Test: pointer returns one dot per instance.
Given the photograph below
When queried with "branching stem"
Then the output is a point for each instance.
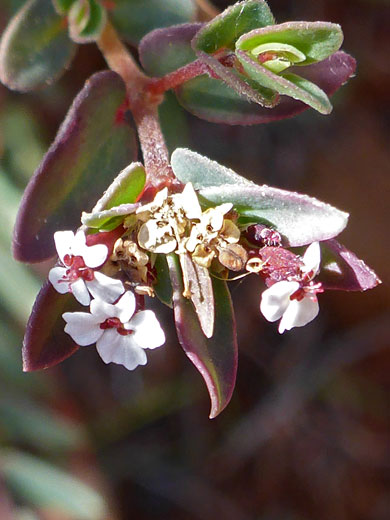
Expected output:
(177, 77)
(142, 103)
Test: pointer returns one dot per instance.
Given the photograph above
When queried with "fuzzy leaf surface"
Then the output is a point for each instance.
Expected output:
(45, 342)
(317, 40)
(94, 142)
(343, 270)
(214, 101)
(299, 218)
(288, 84)
(87, 19)
(35, 48)
(225, 29)
(215, 357)
(133, 18)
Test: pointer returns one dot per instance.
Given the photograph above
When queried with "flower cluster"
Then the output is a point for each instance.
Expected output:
(173, 223)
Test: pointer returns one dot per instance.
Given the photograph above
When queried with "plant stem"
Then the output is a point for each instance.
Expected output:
(206, 10)
(143, 105)
(177, 77)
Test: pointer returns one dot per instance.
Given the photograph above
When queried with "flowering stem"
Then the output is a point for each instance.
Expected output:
(177, 77)
(143, 105)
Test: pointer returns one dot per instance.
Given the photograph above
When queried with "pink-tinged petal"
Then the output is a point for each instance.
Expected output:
(190, 202)
(122, 350)
(56, 278)
(299, 313)
(312, 258)
(45, 343)
(103, 310)
(105, 288)
(276, 299)
(80, 291)
(82, 327)
(126, 307)
(63, 241)
(147, 330)
(95, 256)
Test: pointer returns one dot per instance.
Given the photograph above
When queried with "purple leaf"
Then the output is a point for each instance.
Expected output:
(343, 270)
(45, 343)
(93, 144)
(216, 357)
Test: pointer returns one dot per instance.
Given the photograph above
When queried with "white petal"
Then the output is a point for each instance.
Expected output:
(103, 310)
(115, 348)
(224, 208)
(189, 202)
(299, 313)
(80, 291)
(96, 255)
(79, 243)
(63, 241)
(275, 300)
(82, 327)
(56, 276)
(157, 239)
(105, 288)
(147, 330)
(126, 306)
(312, 258)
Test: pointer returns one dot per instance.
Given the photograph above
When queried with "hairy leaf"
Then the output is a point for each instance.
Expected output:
(87, 19)
(135, 18)
(45, 343)
(225, 29)
(214, 101)
(94, 142)
(317, 40)
(287, 84)
(215, 357)
(343, 270)
(35, 47)
(165, 50)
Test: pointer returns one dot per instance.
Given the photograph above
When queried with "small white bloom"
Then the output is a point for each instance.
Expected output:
(77, 274)
(120, 335)
(295, 302)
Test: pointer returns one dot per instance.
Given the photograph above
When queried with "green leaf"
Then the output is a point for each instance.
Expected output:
(62, 6)
(287, 84)
(316, 40)
(135, 18)
(45, 486)
(118, 199)
(93, 144)
(87, 19)
(35, 47)
(299, 218)
(215, 357)
(225, 29)
(125, 189)
(163, 287)
(189, 166)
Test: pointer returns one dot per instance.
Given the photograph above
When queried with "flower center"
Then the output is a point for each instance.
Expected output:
(115, 323)
(77, 269)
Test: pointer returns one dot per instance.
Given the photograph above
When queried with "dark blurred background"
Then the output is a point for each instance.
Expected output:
(306, 436)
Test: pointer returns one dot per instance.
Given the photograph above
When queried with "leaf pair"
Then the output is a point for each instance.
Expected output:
(241, 90)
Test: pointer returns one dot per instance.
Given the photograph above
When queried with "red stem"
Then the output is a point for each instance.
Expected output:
(177, 77)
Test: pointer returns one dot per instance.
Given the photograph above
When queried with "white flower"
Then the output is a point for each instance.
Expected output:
(77, 274)
(295, 302)
(120, 335)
